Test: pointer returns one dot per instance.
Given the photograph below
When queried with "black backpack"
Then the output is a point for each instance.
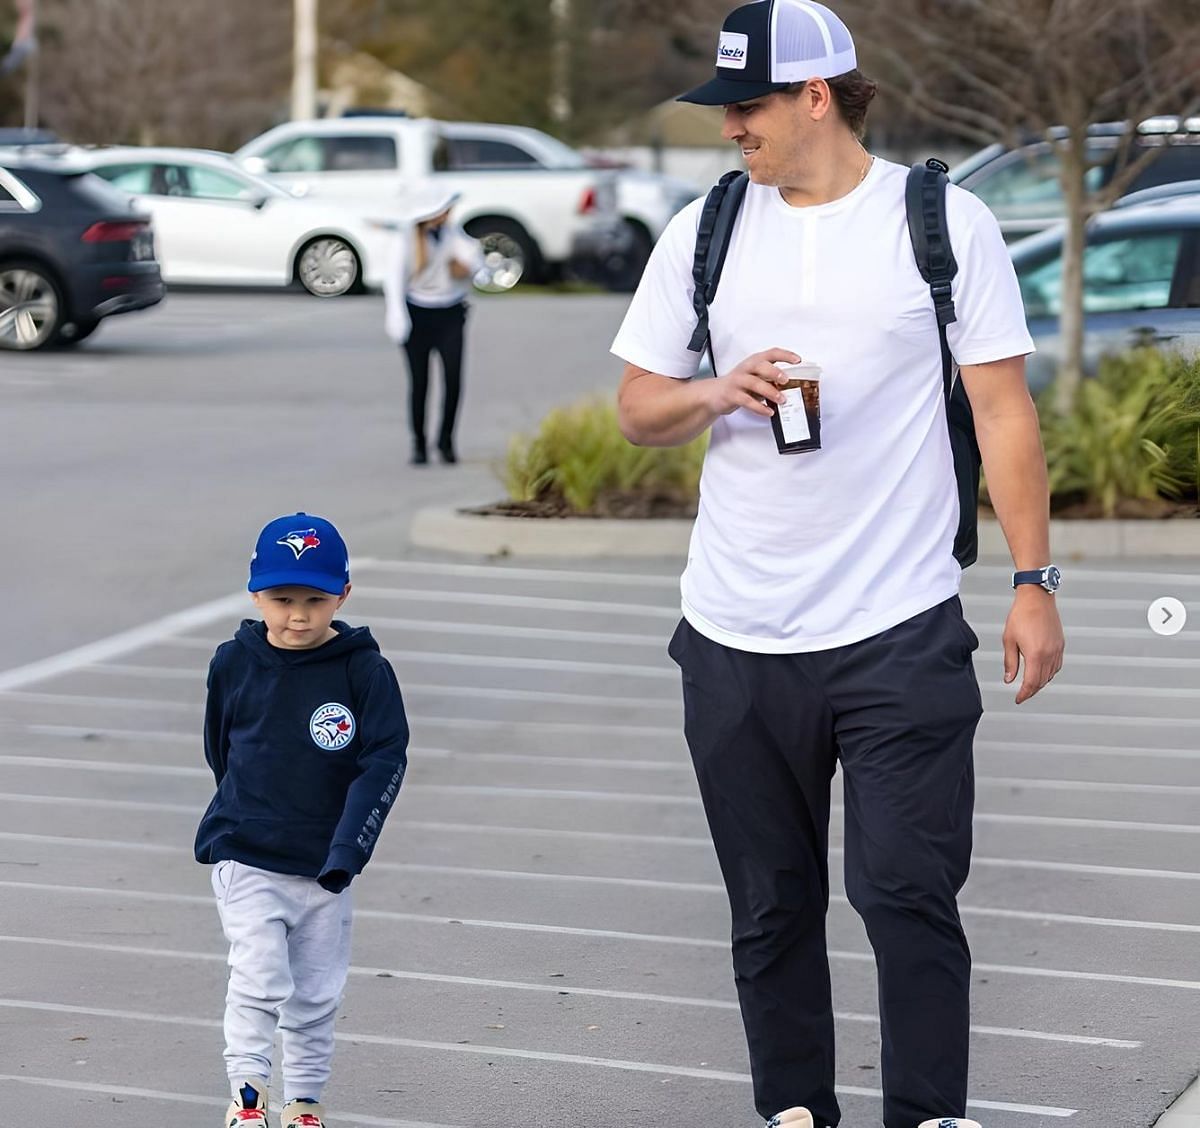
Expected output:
(925, 202)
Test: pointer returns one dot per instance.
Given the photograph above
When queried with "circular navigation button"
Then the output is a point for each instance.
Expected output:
(1167, 616)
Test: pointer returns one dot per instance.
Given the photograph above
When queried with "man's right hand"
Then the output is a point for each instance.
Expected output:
(754, 380)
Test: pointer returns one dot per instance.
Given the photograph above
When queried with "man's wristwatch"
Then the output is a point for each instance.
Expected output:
(1049, 578)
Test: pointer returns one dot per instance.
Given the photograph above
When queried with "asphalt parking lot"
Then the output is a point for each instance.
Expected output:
(542, 937)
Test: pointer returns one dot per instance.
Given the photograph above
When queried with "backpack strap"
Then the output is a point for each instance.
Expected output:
(712, 244)
(925, 199)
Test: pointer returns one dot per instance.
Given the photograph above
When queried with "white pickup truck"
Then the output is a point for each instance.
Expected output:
(533, 222)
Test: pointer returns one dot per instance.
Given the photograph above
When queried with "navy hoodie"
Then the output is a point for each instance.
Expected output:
(308, 748)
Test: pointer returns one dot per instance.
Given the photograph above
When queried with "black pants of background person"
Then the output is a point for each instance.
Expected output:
(899, 712)
(441, 331)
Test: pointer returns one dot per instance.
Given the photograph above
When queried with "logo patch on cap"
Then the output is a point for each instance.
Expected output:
(300, 541)
(731, 51)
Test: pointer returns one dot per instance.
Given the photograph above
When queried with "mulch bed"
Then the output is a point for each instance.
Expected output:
(642, 506)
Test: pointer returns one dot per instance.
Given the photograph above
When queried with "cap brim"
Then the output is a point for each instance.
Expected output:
(317, 580)
(726, 91)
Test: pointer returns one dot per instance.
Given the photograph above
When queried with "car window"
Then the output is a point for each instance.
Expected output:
(301, 154)
(1178, 162)
(213, 184)
(1026, 184)
(360, 154)
(6, 197)
(1118, 274)
(134, 178)
(481, 152)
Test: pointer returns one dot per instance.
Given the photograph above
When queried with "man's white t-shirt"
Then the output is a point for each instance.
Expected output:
(810, 551)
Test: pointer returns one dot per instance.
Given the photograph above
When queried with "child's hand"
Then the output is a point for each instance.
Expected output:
(334, 881)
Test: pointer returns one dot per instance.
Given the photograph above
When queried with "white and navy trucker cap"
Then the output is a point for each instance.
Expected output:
(770, 44)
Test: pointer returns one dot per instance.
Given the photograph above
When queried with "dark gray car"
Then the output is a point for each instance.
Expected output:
(1141, 285)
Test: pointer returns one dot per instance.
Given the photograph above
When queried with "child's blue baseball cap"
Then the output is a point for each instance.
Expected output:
(303, 550)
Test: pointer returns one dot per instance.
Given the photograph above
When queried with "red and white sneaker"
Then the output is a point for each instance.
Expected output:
(249, 1108)
(791, 1118)
(302, 1114)
(950, 1122)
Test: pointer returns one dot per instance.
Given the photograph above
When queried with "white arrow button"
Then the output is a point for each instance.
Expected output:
(1167, 616)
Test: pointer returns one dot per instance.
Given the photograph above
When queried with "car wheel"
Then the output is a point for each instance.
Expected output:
(625, 269)
(328, 267)
(30, 307)
(508, 254)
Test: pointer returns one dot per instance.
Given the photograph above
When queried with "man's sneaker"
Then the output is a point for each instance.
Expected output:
(302, 1114)
(249, 1106)
(950, 1122)
(791, 1118)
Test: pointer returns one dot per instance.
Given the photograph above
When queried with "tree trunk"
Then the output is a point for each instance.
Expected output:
(1073, 156)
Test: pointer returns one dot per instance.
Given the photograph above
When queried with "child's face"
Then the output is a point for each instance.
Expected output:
(298, 618)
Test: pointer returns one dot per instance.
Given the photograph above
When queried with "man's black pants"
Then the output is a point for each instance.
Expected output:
(899, 712)
(441, 331)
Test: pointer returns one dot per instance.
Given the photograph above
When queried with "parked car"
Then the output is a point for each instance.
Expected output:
(219, 225)
(1141, 284)
(533, 222)
(1021, 185)
(646, 201)
(72, 252)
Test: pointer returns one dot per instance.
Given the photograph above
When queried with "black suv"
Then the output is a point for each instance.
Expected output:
(1021, 185)
(72, 251)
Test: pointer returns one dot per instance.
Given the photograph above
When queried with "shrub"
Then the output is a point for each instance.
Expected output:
(1134, 433)
(579, 461)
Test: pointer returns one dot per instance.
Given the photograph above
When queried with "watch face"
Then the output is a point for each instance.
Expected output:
(1053, 578)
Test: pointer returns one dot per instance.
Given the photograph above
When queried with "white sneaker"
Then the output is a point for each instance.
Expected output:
(249, 1107)
(793, 1118)
(950, 1122)
(302, 1114)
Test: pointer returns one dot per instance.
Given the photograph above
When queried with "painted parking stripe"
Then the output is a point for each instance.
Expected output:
(1019, 970)
(462, 598)
(507, 1051)
(93, 1087)
(556, 989)
(967, 910)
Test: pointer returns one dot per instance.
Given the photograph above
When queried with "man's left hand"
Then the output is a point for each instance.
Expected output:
(1033, 632)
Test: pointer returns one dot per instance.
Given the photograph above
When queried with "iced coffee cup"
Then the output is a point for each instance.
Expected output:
(797, 421)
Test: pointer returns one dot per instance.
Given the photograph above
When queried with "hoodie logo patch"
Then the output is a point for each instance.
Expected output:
(331, 726)
(300, 541)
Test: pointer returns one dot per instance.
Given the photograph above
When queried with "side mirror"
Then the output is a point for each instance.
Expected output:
(258, 202)
(298, 190)
(255, 165)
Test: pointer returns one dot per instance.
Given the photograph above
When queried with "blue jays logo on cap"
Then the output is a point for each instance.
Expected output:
(300, 541)
(331, 726)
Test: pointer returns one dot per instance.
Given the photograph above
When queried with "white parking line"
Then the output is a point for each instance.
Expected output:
(507, 1051)
(668, 580)
(617, 934)
(554, 989)
(95, 1087)
(527, 602)
(967, 910)
(123, 643)
(615, 704)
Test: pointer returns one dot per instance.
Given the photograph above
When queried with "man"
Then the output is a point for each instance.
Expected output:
(821, 620)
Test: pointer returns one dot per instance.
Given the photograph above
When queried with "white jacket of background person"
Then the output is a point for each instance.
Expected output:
(434, 286)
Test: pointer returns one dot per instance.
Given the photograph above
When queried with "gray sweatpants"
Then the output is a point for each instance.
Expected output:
(289, 952)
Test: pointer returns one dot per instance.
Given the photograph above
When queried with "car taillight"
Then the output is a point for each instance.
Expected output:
(587, 202)
(109, 232)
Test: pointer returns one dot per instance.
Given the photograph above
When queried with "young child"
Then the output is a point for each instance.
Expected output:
(306, 735)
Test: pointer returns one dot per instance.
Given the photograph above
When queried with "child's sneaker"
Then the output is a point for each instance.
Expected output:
(302, 1114)
(249, 1107)
(950, 1122)
(791, 1118)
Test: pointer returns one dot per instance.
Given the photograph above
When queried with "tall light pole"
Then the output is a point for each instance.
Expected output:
(560, 83)
(304, 60)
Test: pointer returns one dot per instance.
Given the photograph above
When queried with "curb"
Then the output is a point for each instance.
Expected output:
(450, 530)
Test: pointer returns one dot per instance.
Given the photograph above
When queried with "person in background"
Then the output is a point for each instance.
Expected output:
(426, 292)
